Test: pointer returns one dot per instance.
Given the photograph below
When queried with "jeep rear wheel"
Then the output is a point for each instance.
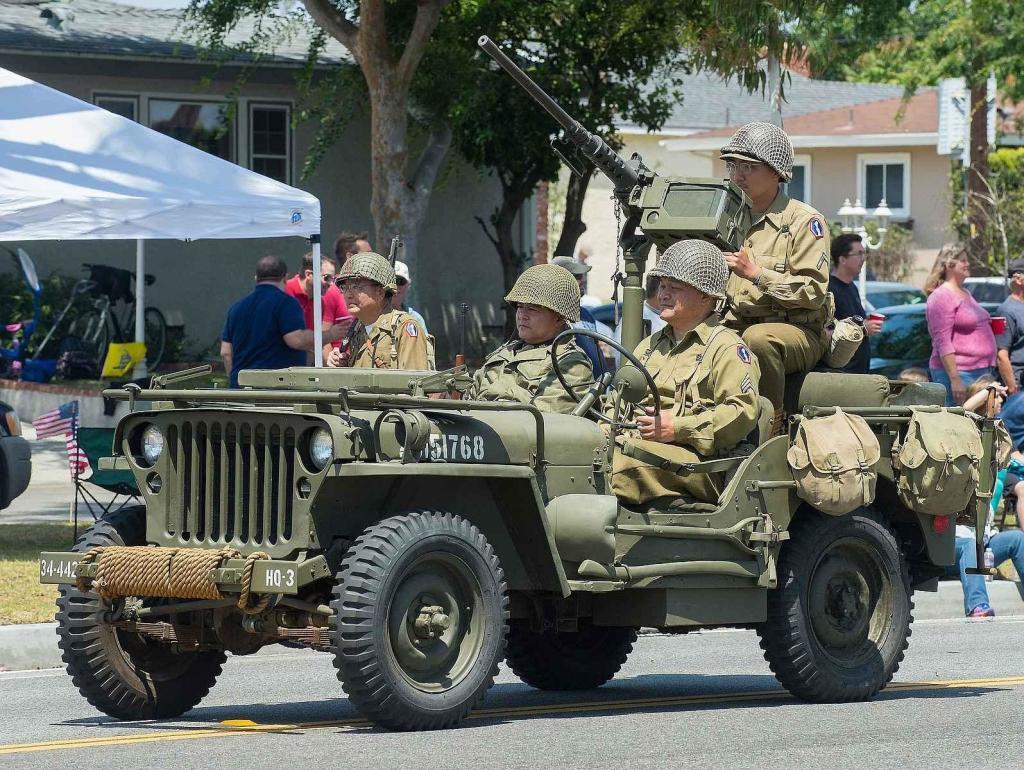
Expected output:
(839, 622)
(421, 614)
(122, 674)
(577, 660)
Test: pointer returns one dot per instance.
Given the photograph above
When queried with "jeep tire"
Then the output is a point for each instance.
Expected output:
(577, 660)
(123, 674)
(839, 621)
(420, 619)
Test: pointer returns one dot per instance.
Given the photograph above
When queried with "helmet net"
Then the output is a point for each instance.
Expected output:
(372, 266)
(697, 263)
(549, 286)
(764, 142)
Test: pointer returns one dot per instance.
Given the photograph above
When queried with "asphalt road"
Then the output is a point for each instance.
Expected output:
(703, 700)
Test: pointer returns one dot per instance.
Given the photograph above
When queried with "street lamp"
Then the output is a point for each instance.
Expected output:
(852, 217)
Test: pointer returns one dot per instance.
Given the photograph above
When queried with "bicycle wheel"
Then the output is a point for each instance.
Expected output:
(156, 337)
(94, 332)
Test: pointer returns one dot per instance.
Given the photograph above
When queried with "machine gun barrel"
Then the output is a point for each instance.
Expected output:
(593, 147)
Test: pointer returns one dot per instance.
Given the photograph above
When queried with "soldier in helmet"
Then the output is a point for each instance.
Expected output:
(381, 338)
(547, 300)
(706, 377)
(778, 289)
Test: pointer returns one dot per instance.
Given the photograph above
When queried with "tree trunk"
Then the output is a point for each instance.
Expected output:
(573, 226)
(977, 175)
(502, 237)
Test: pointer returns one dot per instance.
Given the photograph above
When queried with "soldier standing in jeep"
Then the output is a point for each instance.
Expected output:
(779, 282)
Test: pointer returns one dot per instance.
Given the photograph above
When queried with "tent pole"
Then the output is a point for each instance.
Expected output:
(318, 313)
(140, 304)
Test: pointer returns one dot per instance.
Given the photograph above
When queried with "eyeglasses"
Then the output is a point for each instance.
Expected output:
(742, 167)
(351, 287)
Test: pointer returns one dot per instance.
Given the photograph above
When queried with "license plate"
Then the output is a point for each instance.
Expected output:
(58, 567)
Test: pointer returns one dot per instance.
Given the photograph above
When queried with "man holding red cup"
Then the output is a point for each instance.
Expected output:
(1008, 327)
(848, 255)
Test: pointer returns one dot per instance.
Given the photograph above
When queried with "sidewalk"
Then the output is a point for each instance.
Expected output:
(51, 491)
(35, 646)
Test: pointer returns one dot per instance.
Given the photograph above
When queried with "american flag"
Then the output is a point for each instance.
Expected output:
(59, 421)
(76, 457)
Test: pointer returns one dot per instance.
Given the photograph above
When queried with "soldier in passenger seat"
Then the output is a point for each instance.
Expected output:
(778, 290)
(707, 379)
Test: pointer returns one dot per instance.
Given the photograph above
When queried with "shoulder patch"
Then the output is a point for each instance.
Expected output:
(411, 330)
(743, 353)
(817, 228)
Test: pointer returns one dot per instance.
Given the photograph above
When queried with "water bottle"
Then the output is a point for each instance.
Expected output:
(990, 563)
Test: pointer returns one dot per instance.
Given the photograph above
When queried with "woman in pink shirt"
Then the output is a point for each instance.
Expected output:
(963, 346)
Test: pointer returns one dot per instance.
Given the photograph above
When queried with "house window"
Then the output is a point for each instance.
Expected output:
(799, 187)
(119, 104)
(270, 141)
(885, 176)
(205, 125)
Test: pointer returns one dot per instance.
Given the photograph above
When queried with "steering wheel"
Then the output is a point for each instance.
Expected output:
(652, 388)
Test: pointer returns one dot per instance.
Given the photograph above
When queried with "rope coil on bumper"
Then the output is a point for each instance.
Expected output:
(180, 573)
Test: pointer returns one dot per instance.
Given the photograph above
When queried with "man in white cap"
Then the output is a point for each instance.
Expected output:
(404, 282)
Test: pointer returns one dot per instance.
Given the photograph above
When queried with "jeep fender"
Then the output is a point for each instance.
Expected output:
(504, 501)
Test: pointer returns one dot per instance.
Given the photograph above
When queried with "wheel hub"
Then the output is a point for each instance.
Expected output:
(431, 621)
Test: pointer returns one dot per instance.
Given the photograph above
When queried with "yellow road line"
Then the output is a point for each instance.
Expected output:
(245, 727)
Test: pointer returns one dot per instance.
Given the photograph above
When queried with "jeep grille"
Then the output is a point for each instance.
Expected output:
(235, 480)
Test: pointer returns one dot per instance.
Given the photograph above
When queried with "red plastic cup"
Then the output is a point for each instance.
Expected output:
(880, 317)
(998, 324)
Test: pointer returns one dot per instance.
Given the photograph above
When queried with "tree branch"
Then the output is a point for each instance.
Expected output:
(483, 226)
(331, 19)
(431, 159)
(428, 14)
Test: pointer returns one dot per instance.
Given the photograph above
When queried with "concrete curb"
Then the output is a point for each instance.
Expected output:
(34, 645)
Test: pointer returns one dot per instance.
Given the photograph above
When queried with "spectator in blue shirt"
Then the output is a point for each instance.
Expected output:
(266, 329)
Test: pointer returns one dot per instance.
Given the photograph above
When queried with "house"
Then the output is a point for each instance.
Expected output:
(851, 140)
(140, 64)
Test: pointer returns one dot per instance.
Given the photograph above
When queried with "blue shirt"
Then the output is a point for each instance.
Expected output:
(589, 344)
(256, 326)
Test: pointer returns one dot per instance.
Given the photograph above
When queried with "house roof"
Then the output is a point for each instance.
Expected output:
(711, 102)
(97, 27)
(886, 121)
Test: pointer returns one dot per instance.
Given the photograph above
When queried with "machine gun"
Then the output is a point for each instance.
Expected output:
(659, 210)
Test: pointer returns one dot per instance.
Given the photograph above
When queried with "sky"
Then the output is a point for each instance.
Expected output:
(154, 3)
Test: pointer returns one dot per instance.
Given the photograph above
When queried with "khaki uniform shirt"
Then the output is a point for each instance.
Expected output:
(708, 380)
(397, 342)
(790, 243)
(524, 373)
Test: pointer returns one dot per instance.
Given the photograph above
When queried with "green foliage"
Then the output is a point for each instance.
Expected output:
(935, 39)
(1002, 207)
(895, 260)
(16, 301)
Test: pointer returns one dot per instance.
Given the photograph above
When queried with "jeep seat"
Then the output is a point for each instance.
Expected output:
(842, 389)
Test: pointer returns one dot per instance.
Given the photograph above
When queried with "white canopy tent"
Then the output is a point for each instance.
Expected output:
(72, 171)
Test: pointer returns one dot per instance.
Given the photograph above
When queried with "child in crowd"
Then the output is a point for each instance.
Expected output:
(1008, 544)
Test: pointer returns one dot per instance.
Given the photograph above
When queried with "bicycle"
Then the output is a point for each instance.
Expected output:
(106, 322)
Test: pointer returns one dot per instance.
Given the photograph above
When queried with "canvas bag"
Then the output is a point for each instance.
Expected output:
(937, 461)
(833, 461)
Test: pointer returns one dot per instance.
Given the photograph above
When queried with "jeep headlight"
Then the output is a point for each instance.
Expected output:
(152, 444)
(321, 448)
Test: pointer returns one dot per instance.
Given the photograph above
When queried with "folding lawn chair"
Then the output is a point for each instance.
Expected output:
(95, 443)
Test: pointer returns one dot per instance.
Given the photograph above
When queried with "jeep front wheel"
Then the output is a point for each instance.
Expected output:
(124, 674)
(839, 622)
(421, 615)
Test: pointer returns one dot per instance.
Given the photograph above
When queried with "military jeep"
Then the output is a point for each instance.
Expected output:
(422, 540)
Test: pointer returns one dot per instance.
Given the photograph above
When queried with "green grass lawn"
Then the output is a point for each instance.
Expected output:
(23, 599)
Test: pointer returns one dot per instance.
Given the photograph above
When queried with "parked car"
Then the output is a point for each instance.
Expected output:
(890, 293)
(904, 340)
(15, 457)
(991, 288)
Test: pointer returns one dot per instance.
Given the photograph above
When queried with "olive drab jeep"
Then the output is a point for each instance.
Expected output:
(421, 540)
